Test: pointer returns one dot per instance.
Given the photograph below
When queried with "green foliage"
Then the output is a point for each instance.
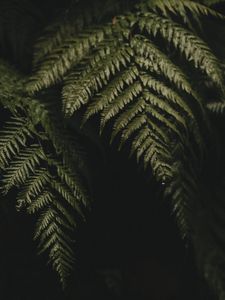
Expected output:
(145, 93)
(41, 161)
(146, 70)
(128, 79)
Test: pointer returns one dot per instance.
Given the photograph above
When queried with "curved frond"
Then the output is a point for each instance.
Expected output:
(12, 137)
(50, 231)
(64, 57)
(36, 150)
(78, 92)
(22, 166)
(189, 44)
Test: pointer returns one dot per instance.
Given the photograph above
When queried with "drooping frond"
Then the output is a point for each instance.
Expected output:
(152, 59)
(22, 166)
(91, 81)
(114, 87)
(189, 44)
(50, 231)
(15, 135)
(34, 187)
(62, 59)
(36, 152)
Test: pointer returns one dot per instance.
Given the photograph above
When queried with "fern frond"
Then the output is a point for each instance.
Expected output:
(65, 192)
(22, 166)
(64, 142)
(36, 150)
(13, 137)
(154, 60)
(77, 94)
(33, 187)
(120, 102)
(73, 182)
(189, 44)
(165, 106)
(126, 117)
(114, 88)
(50, 232)
(136, 73)
(64, 57)
(42, 200)
(169, 94)
(182, 191)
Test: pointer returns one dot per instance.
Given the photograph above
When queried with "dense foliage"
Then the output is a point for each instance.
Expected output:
(153, 73)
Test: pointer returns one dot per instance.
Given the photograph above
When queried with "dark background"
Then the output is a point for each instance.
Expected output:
(128, 248)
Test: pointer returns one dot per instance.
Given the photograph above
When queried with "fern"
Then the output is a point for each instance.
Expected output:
(34, 155)
(137, 71)
(51, 233)
(15, 135)
(137, 78)
(192, 47)
(21, 167)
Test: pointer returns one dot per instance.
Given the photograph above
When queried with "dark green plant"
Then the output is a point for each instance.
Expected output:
(147, 69)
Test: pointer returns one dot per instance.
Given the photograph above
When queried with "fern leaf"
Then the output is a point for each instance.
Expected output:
(153, 59)
(42, 159)
(114, 88)
(33, 187)
(61, 59)
(50, 232)
(73, 182)
(22, 166)
(164, 106)
(163, 90)
(126, 117)
(120, 102)
(13, 137)
(75, 95)
(67, 195)
(190, 45)
(41, 201)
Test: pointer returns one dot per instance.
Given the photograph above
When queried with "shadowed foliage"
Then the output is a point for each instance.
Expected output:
(150, 74)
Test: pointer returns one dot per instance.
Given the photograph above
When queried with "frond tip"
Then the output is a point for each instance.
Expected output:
(50, 231)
